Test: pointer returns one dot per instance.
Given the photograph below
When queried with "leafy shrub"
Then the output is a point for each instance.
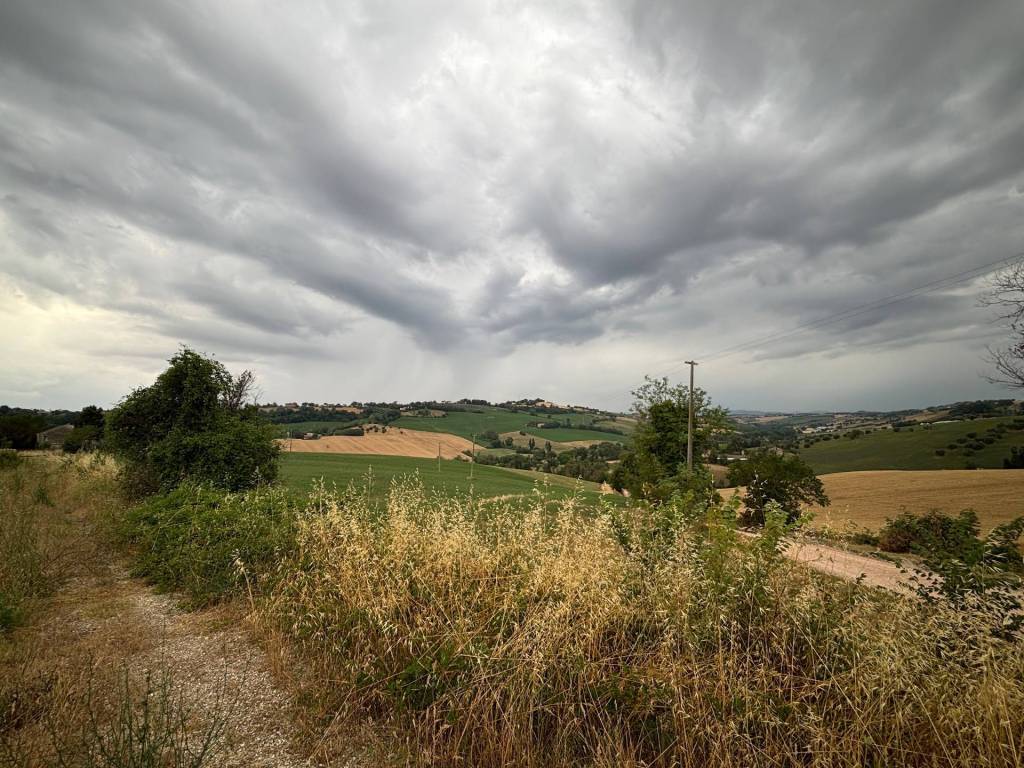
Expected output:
(864, 537)
(208, 542)
(192, 424)
(81, 437)
(19, 429)
(933, 532)
(9, 458)
(1015, 460)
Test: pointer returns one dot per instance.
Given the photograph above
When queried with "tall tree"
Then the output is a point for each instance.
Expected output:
(770, 476)
(655, 468)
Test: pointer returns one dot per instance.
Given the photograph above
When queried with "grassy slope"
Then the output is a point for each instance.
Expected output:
(885, 449)
(466, 424)
(298, 471)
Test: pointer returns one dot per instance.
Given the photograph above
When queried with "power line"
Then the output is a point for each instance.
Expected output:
(921, 290)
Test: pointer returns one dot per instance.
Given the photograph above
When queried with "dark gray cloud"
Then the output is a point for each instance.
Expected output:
(462, 182)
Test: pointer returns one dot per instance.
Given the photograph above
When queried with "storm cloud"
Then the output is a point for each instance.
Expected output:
(376, 200)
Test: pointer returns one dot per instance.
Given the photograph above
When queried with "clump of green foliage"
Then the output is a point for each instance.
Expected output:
(18, 429)
(938, 535)
(194, 423)
(958, 565)
(655, 468)
(1015, 460)
(9, 458)
(209, 543)
(932, 532)
(772, 477)
(88, 431)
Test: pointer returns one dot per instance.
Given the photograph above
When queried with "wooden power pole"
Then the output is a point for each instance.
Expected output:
(689, 427)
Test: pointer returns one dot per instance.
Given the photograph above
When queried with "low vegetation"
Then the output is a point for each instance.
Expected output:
(506, 622)
(206, 543)
(553, 637)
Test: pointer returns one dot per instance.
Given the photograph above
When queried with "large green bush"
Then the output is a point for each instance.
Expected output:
(941, 537)
(933, 532)
(209, 543)
(193, 424)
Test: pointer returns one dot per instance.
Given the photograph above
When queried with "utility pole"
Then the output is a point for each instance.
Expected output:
(472, 459)
(689, 428)
(438, 455)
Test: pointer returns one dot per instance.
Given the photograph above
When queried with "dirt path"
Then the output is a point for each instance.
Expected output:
(215, 669)
(849, 565)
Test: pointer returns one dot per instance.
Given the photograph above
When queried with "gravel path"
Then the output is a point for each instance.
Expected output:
(215, 669)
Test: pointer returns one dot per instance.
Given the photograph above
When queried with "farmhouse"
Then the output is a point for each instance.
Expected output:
(54, 437)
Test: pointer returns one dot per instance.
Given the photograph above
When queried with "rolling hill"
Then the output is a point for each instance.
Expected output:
(917, 447)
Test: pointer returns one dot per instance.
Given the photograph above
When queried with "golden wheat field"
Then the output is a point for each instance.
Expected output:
(869, 498)
(394, 442)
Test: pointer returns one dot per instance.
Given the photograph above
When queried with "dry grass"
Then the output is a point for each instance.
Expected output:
(868, 499)
(501, 634)
(507, 638)
(396, 441)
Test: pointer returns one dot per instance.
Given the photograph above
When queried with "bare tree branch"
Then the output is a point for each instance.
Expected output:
(1007, 294)
(239, 390)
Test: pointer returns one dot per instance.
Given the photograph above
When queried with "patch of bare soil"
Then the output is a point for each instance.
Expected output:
(395, 442)
(849, 565)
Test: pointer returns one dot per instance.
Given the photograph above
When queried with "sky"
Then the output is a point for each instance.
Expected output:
(380, 200)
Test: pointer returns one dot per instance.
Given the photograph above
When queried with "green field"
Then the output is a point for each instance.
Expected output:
(300, 470)
(467, 424)
(886, 449)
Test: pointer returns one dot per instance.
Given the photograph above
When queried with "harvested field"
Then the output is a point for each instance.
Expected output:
(394, 442)
(869, 498)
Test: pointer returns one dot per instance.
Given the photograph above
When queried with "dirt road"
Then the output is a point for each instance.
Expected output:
(849, 565)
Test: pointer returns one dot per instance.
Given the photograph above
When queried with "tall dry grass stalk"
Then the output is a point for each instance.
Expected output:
(507, 635)
(41, 498)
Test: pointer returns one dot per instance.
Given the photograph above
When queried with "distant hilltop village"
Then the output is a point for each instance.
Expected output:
(357, 408)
